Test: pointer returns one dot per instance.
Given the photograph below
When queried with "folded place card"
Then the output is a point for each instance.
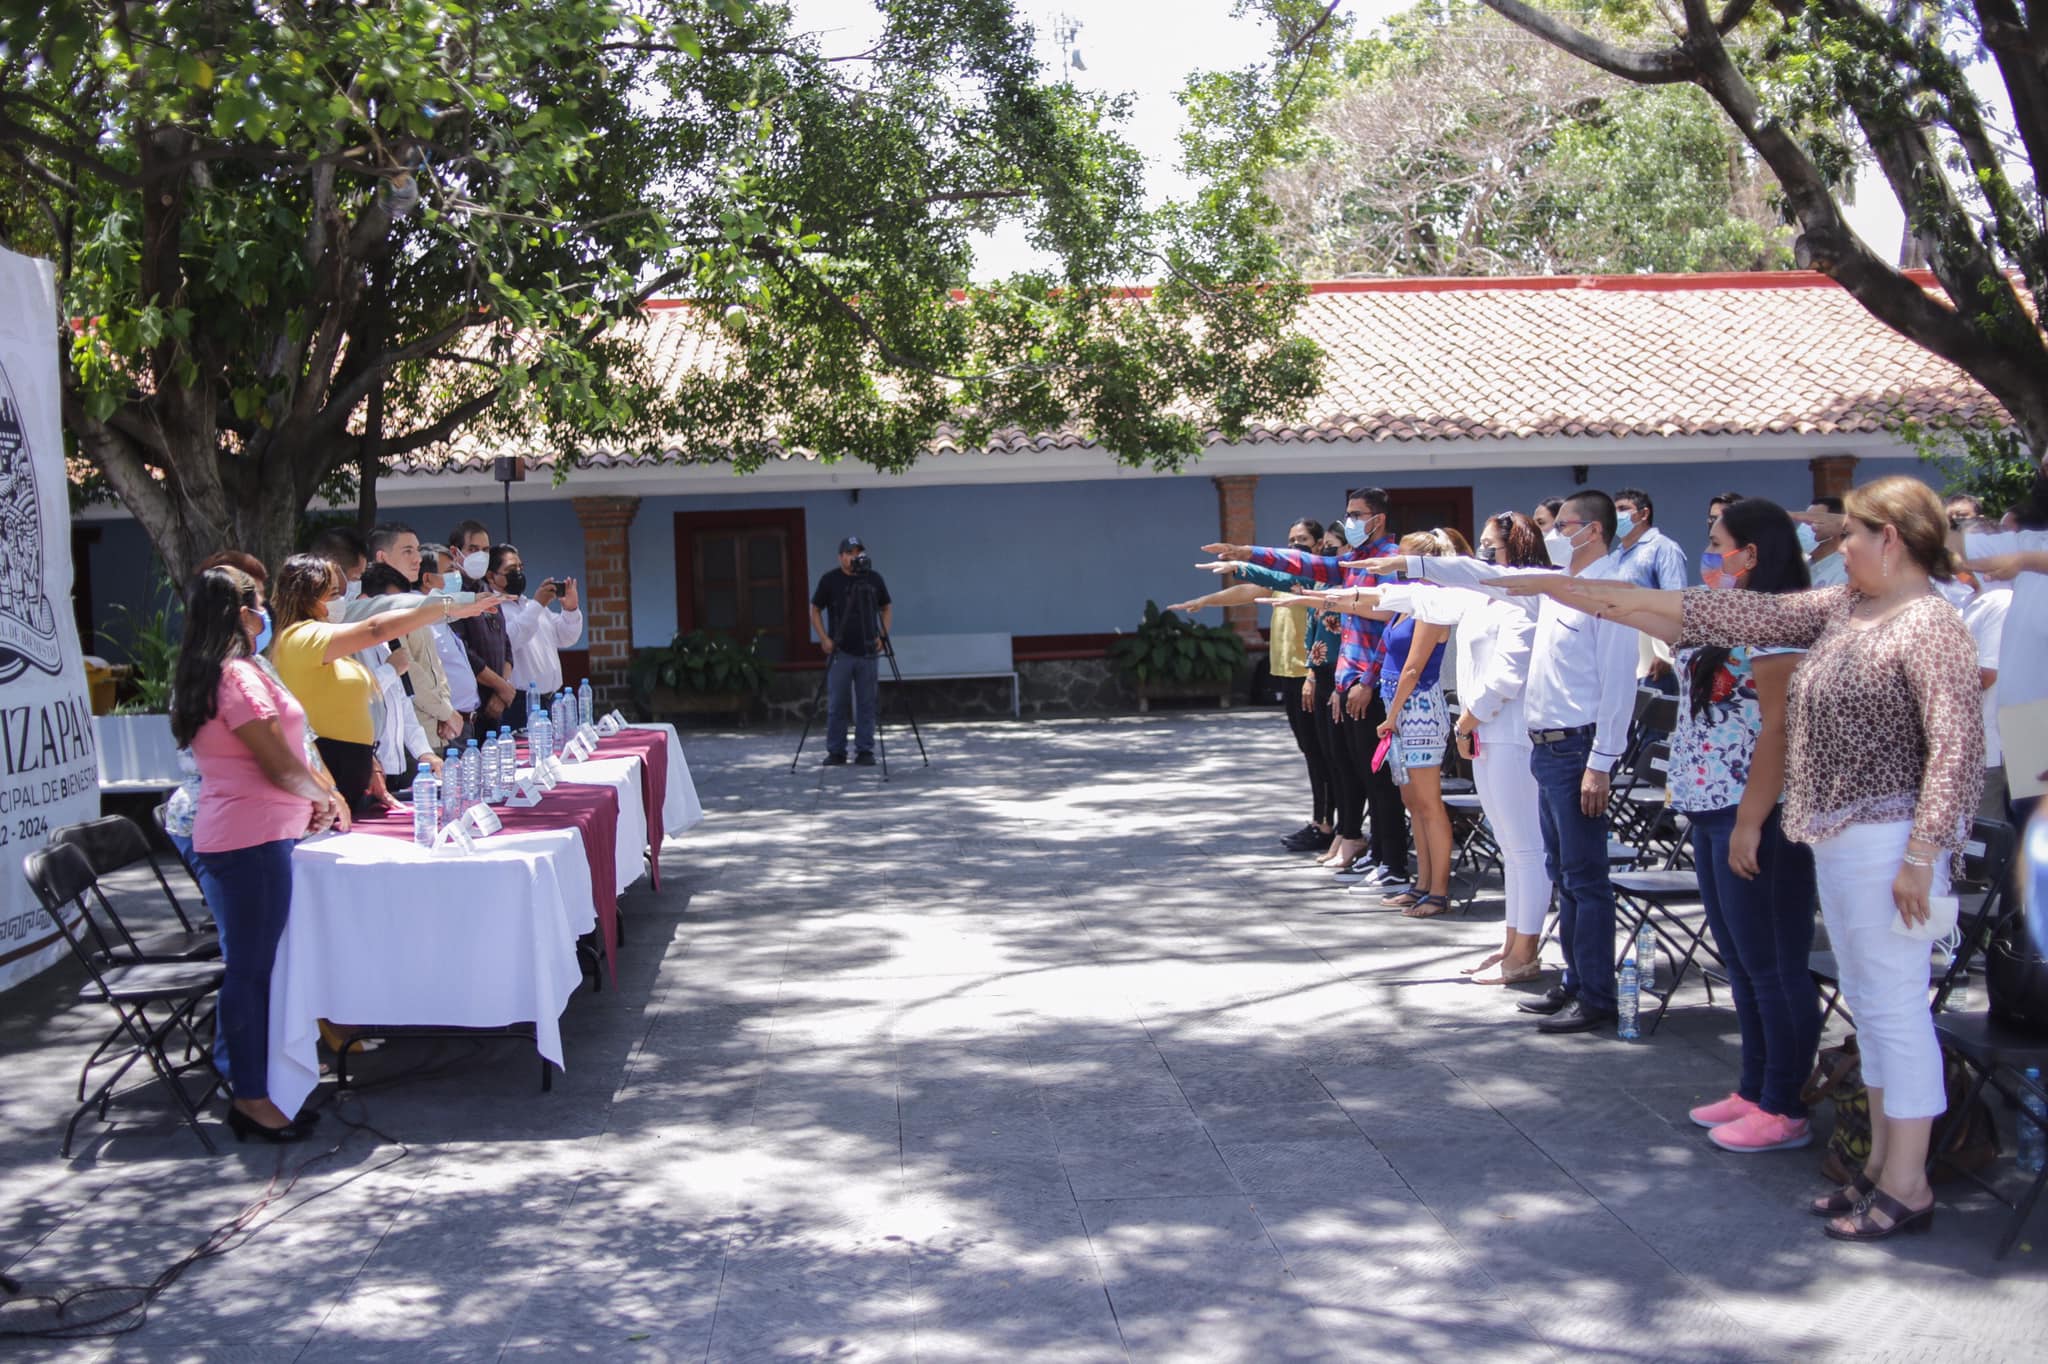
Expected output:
(526, 790)
(550, 772)
(482, 821)
(609, 724)
(455, 838)
(577, 750)
(617, 719)
(588, 733)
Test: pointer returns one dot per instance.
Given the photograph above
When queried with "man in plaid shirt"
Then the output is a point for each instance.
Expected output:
(1356, 700)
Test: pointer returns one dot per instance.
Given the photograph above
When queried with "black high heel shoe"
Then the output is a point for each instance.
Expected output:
(244, 1127)
(1900, 1220)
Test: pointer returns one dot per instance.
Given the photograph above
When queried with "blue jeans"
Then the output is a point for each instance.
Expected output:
(850, 681)
(1575, 856)
(250, 893)
(1764, 929)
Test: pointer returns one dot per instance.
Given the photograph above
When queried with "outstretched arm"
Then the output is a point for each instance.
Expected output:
(1242, 594)
(1652, 610)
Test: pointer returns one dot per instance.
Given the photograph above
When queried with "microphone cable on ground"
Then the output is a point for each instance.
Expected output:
(105, 1310)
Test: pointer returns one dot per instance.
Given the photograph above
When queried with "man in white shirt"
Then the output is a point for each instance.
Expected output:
(1820, 529)
(398, 547)
(448, 647)
(537, 635)
(1578, 702)
(1984, 617)
(2023, 646)
(402, 744)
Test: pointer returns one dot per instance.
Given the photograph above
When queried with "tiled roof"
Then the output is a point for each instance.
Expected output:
(1494, 359)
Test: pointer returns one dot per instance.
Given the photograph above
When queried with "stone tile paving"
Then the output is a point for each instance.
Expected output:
(1046, 1053)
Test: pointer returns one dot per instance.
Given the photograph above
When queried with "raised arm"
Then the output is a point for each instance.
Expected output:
(1730, 619)
(1238, 594)
(1651, 610)
(359, 635)
(1317, 568)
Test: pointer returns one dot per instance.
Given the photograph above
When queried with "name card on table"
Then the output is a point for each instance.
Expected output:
(610, 724)
(618, 720)
(576, 751)
(526, 791)
(454, 838)
(588, 733)
(482, 821)
(550, 771)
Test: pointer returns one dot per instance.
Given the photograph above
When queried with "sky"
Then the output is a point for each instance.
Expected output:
(1148, 49)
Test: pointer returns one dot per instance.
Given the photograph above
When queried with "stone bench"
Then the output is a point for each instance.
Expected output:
(936, 658)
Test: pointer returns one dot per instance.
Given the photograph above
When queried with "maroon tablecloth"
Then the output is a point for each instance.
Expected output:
(650, 746)
(593, 811)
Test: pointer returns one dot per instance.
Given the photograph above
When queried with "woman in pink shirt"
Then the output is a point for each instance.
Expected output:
(257, 798)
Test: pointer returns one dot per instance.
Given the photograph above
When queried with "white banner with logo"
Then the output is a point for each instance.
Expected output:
(49, 774)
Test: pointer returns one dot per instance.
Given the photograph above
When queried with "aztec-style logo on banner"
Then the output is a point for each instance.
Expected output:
(28, 626)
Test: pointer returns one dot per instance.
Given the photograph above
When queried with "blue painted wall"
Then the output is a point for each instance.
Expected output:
(1028, 559)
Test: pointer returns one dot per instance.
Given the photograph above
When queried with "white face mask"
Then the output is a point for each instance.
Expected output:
(1560, 547)
(331, 608)
(476, 565)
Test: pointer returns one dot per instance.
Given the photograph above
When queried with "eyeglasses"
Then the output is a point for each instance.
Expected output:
(1569, 525)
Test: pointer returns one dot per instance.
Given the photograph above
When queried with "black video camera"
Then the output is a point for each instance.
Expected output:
(862, 563)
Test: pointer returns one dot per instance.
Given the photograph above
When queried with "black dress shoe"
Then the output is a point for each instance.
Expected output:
(1549, 1002)
(1576, 1018)
(834, 760)
(863, 760)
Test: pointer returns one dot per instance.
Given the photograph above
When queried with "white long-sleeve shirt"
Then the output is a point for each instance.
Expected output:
(1493, 640)
(2023, 648)
(1582, 669)
(398, 728)
(538, 636)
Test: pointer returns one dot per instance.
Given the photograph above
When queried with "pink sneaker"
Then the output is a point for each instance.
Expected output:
(1762, 1131)
(1725, 1111)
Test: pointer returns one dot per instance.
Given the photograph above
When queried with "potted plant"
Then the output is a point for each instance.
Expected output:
(135, 744)
(1170, 656)
(699, 672)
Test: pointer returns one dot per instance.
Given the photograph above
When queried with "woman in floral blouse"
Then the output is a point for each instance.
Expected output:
(1884, 769)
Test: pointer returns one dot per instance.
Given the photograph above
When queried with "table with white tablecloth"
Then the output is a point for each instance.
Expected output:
(385, 933)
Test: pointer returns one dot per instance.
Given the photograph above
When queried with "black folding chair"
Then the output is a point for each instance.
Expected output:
(1981, 893)
(156, 1004)
(110, 844)
(1997, 1056)
(161, 812)
(1661, 897)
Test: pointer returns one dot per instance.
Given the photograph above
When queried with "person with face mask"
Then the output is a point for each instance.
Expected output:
(448, 648)
(397, 547)
(1819, 529)
(1355, 705)
(536, 634)
(1578, 704)
(257, 799)
(313, 656)
(488, 645)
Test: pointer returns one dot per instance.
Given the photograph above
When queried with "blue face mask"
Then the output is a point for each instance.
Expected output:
(1808, 541)
(1354, 531)
(1623, 524)
(1713, 575)
(263, 635)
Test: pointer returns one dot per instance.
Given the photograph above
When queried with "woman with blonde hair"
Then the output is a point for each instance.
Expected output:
(1883, 772)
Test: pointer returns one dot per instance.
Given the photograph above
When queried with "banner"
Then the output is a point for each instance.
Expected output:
(49, 773)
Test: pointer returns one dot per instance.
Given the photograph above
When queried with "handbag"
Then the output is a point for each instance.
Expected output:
(2016, 976)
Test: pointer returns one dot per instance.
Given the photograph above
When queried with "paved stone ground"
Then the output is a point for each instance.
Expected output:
(1045, 1053)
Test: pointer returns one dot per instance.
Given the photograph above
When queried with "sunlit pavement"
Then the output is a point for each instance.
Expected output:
(1045, 1052)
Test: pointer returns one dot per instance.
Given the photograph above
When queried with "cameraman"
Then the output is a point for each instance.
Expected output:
(856, 602)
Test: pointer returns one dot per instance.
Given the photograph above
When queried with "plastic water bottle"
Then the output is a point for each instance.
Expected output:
(583, 701)
(451, 786)
(1397, 762)
(1627, 998)
(2033, 1145)
(472, 775)
(1646, 954)
(532, 705)
(487, 787)
(569, 712)
(537, 740)
(426, 809)
(508, 762)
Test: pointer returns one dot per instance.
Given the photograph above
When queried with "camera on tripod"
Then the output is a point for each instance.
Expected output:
(863, 563)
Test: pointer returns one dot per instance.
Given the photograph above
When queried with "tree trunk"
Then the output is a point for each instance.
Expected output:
(372, 459)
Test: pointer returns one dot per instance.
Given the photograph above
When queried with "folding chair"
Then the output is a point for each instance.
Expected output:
(1987, 865)
(156, 1003)
(1996, 1055)
(161, 812)
(1659, 897)
(111, 843)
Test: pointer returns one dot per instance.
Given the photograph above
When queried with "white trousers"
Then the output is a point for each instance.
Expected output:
(1884, 975)
(1507, 792)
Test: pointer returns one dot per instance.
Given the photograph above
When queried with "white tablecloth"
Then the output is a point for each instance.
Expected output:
(382, 931)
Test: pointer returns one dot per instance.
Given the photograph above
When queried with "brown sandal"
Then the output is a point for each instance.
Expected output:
(1840, 1204)
(1901, 1220)
(1512, 975)
(1428, 907)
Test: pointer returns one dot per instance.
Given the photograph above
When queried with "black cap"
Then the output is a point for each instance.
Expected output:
(850, 542)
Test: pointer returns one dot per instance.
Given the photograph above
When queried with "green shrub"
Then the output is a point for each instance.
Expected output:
(702, 662)
(1169, 648)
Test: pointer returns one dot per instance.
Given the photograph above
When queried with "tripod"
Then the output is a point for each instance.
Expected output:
(881, 728)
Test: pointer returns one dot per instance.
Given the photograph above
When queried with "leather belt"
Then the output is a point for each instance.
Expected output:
(1558, 736)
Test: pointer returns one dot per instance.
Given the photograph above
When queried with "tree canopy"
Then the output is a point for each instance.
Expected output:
(1453, 143)
(302, 239)
(1949, 100)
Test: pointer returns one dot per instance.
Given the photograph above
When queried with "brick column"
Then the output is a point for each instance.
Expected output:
(1833, 475)
(607, 593)
(1234, 497)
